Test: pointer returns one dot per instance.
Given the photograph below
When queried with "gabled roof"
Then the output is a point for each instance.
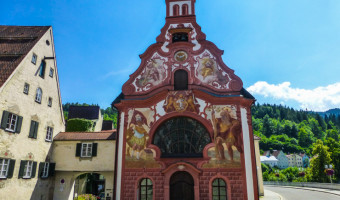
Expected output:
(76, 136)
(15, 44)
(84, 112)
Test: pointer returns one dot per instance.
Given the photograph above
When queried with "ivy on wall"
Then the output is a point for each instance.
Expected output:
(75, 125)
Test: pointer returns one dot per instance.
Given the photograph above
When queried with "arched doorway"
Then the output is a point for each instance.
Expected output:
(90, 183)
(182, 186)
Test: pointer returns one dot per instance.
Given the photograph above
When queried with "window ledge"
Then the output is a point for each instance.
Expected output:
(9, 130)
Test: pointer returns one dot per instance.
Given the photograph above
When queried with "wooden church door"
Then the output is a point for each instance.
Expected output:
(182, 186)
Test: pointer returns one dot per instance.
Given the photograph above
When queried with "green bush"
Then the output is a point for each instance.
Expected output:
(75, 125)
(86, 197)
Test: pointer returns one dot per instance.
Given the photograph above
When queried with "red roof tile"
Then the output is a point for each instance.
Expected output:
(73, 136)
(15, 43)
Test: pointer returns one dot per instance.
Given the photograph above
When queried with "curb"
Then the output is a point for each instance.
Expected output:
(310, 189)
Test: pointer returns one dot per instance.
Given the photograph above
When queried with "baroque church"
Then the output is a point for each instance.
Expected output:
(184, 129)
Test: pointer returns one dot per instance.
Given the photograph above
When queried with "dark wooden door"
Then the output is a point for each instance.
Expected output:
(182, 186)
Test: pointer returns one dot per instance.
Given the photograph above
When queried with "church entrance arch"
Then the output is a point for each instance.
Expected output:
(182, 186)
(89, 183)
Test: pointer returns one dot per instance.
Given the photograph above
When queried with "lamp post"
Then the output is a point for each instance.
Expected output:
(329, 171)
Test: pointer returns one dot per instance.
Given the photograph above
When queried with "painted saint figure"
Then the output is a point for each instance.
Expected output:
(136, 135)
(227, 130)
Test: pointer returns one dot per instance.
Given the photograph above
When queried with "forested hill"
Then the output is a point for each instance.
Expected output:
(293, 131)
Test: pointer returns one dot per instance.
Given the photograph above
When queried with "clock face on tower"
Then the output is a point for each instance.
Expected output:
(181, 56)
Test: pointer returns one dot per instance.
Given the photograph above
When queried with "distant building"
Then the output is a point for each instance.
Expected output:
(305, 160)
(283, 162)
(294, 160)
(31, 111)
(92, 113)
(271, 160)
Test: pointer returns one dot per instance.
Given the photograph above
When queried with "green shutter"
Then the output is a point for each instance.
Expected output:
(94, 149)
(22, 167)
(51, 170)
(11, 168)
(78, 149)
(4, 119)
(31, 134)
(36, 130)
(34, 169)
(41, 168)
(18, 128)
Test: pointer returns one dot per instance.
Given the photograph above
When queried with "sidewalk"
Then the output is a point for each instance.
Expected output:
(269, 195)
(335, 192)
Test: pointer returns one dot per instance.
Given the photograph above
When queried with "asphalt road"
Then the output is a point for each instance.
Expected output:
(300, 194)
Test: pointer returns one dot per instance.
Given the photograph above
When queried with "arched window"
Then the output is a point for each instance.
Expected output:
(219, 191)
(176, 10)
(145, 189)
(181, 80)
(181, 137)
(185, 9)
(38, 95)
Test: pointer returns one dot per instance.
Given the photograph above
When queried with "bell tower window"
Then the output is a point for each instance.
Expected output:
(176, 10)
(181, 80)
(185, 9)
(180, 37)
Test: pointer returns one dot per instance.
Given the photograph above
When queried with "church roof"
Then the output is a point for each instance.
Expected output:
(84, 112)
(75, 136)
(15, 44)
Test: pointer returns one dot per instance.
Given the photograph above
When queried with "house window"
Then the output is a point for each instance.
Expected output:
(45, 170)
(26, 88)
(33, 130)
(219, 191)
(51, 72)
(34, 58)
(145, 189)
(11, 122)
(28, 169)
(42, 69)
(49, 102)
(4, 166)
(49, 134)
(86, 149)
(38, 95)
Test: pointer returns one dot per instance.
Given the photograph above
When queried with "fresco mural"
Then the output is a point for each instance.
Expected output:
(153, 74)
(137, 136)
(181, 101)
(227, 137)
(208, 72)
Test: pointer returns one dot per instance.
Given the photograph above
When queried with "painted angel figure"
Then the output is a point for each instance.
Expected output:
(137, 135)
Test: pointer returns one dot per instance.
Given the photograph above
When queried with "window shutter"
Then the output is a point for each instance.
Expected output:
(36, 130)
(34, 169)
(78, 149)
(18, 128)
(11, 168)
(51, 170)
(4, 119)
(94, 149)
(31, 134)
(41, 168)
(22, 167)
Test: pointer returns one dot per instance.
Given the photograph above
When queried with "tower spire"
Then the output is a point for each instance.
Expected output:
(180, 8)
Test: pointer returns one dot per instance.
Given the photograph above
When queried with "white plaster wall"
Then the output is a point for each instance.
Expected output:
(64, 156)
(258, 167)
(13, 99)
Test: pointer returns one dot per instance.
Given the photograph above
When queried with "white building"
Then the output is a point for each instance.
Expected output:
(271, 161)
(283, 161)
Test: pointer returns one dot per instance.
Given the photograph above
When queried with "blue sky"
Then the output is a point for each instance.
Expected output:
(285, 51)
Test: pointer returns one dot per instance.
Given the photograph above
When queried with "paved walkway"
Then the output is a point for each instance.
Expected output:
(269, 195)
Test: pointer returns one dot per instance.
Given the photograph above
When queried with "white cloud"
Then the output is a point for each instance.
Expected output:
(318, 99)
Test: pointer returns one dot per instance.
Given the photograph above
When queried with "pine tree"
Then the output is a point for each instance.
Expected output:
(321, 158)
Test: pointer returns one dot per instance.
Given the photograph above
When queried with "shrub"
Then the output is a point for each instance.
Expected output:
(75, 125)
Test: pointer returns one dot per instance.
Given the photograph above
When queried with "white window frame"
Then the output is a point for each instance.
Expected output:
(86, 149)
(12, 121)
(28, 169)
(34, 58)
(49, 134)
(26, 88)
(50, 101)
(45, 170)
(38, 95)
(4, 167)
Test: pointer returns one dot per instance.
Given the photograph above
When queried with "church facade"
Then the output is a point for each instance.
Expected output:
(184, 127)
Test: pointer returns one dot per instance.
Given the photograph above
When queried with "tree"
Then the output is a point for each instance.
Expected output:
(305, 137)
(321, 158)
